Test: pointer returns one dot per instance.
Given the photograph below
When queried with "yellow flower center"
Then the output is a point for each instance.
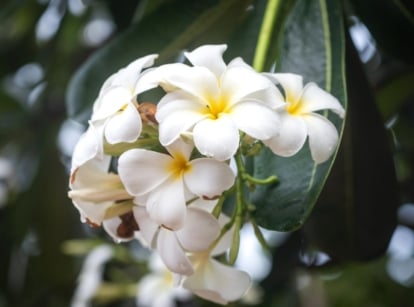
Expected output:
(216, 107)
(179, 165)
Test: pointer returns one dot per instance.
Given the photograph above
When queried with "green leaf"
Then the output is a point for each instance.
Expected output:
(313, 46)
(357, 211)
(167, 31)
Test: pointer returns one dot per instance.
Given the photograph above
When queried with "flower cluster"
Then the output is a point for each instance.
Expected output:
(159, 172)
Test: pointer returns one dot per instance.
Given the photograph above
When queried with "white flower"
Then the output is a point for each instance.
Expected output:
(198, 232)
(96, 193)
(158, 288)
(213, 280)
(115, 108)
(122, 227)
(164, 182)
(214, 102)
(298, 119)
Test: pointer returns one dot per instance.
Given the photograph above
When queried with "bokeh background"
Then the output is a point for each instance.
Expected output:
(43, 245)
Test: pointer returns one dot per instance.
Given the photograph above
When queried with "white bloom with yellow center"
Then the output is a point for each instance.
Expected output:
(164, 182)
(115, 108)
(299, 120)
(214, 102)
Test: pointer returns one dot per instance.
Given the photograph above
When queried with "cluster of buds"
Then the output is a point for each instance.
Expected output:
(159, 172)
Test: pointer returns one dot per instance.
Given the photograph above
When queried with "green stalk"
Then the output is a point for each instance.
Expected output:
(272, 10)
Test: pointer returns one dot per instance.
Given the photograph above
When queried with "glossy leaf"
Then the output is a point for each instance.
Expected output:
(313, 46)
(357, 211)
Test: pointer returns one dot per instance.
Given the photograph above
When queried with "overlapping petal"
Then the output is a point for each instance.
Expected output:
(209, 56)
(292, 85)
(315, 99)
(217, 138)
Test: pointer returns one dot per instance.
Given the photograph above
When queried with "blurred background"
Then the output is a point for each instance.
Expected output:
(339, 258)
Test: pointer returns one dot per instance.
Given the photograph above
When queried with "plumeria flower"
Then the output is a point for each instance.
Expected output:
(159, 288)
(97, 194)
(197, 233)
(214, 102)
(115, 109)
(122, 227)
(299, 120)
(213, 280)
(164, 182)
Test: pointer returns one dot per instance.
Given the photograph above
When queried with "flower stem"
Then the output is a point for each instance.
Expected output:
(272, 9)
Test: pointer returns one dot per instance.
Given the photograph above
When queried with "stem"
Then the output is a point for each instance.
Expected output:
(272, 9)
(269, 180)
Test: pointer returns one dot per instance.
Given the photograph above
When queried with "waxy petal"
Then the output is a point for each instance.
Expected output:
(87, 148)
(217, 282)
(166, 205)
(256, 119)
(291, 136)
(323, 137)
(142, 170)
(315, 99)
(199, 231)
(209, 177)
(210, 57)
(172, 253)
(238, 82)
(148, 229)
(115, 99)
(217, 138)
(292, 85)
(124, 127)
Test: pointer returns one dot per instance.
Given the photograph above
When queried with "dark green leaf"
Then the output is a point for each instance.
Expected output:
(356, 213)
(313, 46)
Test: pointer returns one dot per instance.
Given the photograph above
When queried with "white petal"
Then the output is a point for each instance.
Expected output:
(147, 227)
(209, 177)
(314, 99)
(209, 56)
(111, 227)
(128, 76)
(256, 119)
(176, 117)
(218, 282)
(180, 149)
(199, 231)
(197, 81)
(172, 253)
(238, 82)
(86, 148)
(217, 138)
(142, 170)
(291, 137)
(124, 127)
(292, 84)
(111, 102)
(166, 205)
(94, 212)
(323, 137)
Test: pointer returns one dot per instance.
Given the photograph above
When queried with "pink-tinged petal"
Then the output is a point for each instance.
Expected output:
(292, 85)
(124, 127)
(217, 282)
(176, 118)
(166, 205)
(197, 81)
(256, 119)
(323, 137)
(128, 76)
(142, 170)
(314, 99)
(208, 177)
(208, 56)
(115, 99)
(291, 137)
(217, 138)
(148, 229)
(172, 253)
(199, 231)
(238, 82)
